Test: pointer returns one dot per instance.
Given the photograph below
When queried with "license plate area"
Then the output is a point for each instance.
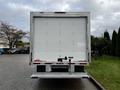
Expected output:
(59, 68)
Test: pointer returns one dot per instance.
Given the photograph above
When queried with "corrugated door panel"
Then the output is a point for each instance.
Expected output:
(59, 37)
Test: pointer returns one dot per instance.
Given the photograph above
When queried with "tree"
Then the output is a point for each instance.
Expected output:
(19, 44)
(107, 47)
(118, 46)
(10, 34)
(114, 43)
(106, 35)
(97, 45)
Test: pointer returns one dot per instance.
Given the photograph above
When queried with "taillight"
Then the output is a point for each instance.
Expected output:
(83, 62)
(37, 61)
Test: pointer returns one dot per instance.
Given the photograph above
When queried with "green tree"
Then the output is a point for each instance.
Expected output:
(19, 44)
(114, 43)
(106, 35)
(107, 41)
(97, 45)
(118, 44)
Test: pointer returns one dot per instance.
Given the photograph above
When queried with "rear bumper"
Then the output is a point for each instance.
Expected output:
(60, 75)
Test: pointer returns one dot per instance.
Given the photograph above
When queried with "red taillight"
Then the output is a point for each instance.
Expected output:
(83, 62)
(37, 61)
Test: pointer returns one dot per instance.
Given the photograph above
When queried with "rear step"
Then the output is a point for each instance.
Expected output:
(60, 75)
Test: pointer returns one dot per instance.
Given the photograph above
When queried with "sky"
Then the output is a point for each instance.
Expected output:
(105, 14)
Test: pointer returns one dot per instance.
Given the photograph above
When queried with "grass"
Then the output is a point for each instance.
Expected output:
(106, 70)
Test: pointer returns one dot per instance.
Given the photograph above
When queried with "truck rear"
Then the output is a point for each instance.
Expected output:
(60, 44)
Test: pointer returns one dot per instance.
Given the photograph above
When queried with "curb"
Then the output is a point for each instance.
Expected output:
(97, 83)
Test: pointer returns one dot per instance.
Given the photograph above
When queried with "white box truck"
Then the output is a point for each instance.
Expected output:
(60, 44)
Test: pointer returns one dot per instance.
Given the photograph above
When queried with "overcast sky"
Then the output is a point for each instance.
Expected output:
(105, 14)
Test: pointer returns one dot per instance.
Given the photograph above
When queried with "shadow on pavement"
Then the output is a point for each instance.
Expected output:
(58, 84)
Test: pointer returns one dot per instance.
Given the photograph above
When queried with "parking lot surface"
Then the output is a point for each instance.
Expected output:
(15, 74)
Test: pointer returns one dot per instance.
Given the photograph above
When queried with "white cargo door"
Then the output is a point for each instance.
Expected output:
(59, 37)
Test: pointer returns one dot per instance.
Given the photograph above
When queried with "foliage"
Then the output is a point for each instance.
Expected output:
(10, 34)
(105, 45)
(97, 45)
(107, 41)
(118, 46)
(114, 43)
(106, 35)
(19, 43)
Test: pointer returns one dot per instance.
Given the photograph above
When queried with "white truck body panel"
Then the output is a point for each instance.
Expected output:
(56, 35)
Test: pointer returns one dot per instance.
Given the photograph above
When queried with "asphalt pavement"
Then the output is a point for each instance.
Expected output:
(15, 74)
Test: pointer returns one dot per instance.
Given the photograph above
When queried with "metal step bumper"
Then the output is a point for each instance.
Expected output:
(60, 75)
